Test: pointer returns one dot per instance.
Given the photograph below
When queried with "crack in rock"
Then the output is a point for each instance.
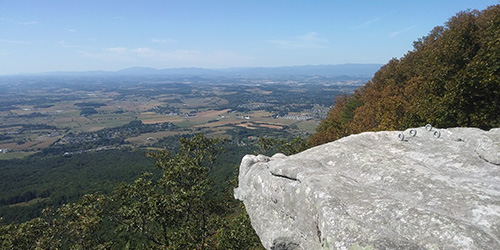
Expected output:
(286, 177)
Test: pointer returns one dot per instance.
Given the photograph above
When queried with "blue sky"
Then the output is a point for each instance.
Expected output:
(77, 35)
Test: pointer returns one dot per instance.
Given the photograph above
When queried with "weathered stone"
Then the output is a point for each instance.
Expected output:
(373, 191)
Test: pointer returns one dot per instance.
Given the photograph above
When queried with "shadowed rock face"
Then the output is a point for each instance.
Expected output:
(374, 191)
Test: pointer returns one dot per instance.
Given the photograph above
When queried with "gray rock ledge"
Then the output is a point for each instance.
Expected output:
(373, 191)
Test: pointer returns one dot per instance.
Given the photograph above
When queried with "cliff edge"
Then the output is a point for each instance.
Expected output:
(422, 188)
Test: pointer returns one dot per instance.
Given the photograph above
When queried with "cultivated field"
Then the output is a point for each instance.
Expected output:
(33, 119)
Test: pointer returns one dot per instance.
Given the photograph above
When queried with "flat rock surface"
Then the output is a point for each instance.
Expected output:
(375, 191)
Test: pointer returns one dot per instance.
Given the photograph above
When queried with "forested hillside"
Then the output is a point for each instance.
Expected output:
(178, 208)
(451, 78)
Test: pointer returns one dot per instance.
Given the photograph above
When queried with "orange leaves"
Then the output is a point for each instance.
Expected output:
(451, 78)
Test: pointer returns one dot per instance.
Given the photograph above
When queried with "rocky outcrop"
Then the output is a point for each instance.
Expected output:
(438, 189)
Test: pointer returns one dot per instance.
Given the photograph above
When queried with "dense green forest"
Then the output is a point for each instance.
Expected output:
(90, 162)
(43, 181)
(451, 78)
(182, 199)
(177, 205)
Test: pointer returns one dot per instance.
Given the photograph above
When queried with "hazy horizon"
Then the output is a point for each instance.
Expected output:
(112, 35)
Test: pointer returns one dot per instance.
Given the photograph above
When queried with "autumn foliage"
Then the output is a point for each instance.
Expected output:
(450, 79)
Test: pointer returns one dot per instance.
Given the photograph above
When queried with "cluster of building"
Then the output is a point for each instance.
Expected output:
(297, 117)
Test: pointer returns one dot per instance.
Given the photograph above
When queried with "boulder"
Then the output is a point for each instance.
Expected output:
(428, 189)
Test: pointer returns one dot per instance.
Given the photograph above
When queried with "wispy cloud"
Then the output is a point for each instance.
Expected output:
(179, 57)
(185, 55)
(125, 54)
(307, 41)
(119, 50)
(367, 23)
(109, 54)
(152, 54)
(145, 52)
(14, 41)
(162, 40)
(28, 23)
(396, 33)
(72, 30)
(65, 45)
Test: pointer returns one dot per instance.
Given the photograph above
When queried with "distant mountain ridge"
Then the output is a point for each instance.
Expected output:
(352, 70)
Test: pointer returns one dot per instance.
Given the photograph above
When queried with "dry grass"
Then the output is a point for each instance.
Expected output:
(160, 120)
(93, 129)
(46, 143)
(41, 142)
(216, 124)
(269, 126)
(246, 125)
